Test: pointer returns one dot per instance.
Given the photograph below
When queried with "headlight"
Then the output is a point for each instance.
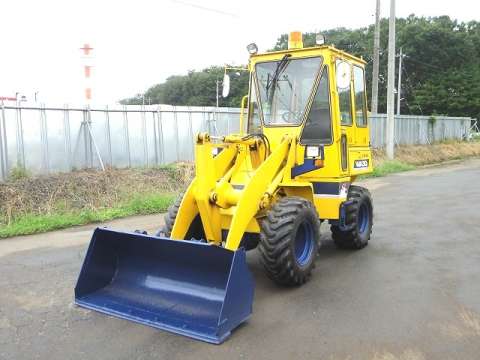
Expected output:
(313, 151)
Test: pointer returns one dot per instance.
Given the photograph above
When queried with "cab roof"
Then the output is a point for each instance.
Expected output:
(312, 50)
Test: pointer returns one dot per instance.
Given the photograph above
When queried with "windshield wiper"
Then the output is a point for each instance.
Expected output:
(282, 64)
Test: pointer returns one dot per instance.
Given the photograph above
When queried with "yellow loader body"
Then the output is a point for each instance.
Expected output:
(303, 140)
(232, 190)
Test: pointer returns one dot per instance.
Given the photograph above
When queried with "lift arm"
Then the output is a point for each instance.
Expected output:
(208, 170)
(254, 191)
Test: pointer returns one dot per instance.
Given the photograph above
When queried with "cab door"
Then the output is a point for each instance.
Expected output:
(343, 77)
(359, 152)
(362, 134)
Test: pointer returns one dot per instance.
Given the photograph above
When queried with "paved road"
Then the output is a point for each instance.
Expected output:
(413, 293)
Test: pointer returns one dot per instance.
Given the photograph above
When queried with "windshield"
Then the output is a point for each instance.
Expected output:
(284, 87)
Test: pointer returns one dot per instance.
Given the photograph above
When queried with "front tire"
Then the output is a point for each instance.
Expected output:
(195, 231)
(289, 241)
(359, 219)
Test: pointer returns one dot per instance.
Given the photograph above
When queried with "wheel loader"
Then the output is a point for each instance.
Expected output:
(303, 140)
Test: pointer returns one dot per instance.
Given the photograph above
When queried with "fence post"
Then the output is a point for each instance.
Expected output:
(3, 147)
(228, 123)
(190, 134)
(90, 137)
(144, 136)
(19, 134)
(44, 138)
(85, 138)
(203, 124)
(160, 136)
(177, 149)
(67, 137)
(108, 138)
(126, 135)
(155, 137)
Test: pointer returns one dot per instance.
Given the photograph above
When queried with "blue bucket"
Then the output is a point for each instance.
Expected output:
(189, 288)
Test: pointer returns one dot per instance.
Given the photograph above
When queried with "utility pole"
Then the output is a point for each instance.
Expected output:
(399, 86)
(217, 84)
(391, 84)
(376, 59)
(215, 114)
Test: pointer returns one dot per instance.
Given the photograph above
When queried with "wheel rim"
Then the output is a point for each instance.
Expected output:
(304, 243)
(363, 218)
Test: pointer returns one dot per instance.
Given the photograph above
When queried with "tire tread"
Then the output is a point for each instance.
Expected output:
(276, 238)
(350, 239)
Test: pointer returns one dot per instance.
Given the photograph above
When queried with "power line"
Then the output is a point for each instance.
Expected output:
(424, 63)
(409, 84)
(399, 86)
(204, 8)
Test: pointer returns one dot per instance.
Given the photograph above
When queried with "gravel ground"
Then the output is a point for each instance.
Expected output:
(413, 293)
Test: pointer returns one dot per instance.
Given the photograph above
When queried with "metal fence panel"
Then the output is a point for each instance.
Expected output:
(414, 129)
(54, 139)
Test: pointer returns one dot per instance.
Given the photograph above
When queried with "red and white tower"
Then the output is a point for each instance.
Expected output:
(87, 69)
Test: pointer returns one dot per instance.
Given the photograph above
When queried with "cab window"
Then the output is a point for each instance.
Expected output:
(359, 86)
(343, 73)
(284, 88)
(318, 127)
(254, 125)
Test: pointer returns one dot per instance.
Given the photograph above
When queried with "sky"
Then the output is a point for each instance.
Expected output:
(140, 43)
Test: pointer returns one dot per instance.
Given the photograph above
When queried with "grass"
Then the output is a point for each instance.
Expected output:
(389, 167)
(475, 137)
(18, 173)
(33, 223)
(34, 204)
(142, 204)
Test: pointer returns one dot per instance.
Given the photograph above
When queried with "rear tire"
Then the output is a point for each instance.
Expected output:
(289, 241)
(359, 216)
(170, 217)
(194, 232)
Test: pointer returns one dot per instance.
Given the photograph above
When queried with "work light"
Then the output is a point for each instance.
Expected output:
(252, 48)
(319, 39)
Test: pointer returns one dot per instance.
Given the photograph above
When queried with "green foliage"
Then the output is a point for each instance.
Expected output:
(441, 68)
(390, 167)
(197, 88)
(18, 173)
(441, 72)
(167, 167)
(139, 205)
(456, 92)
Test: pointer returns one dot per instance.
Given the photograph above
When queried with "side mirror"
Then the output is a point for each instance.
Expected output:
(226, 86)
(344, 75)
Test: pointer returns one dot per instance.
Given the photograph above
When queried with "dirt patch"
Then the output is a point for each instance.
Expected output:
(93, 189)
(408, 354)
(86, 189)
(430, 154)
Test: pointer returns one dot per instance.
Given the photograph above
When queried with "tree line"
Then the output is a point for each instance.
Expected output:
(441, 68)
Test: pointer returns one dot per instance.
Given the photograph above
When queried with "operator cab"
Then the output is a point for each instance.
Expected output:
(318, 95)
